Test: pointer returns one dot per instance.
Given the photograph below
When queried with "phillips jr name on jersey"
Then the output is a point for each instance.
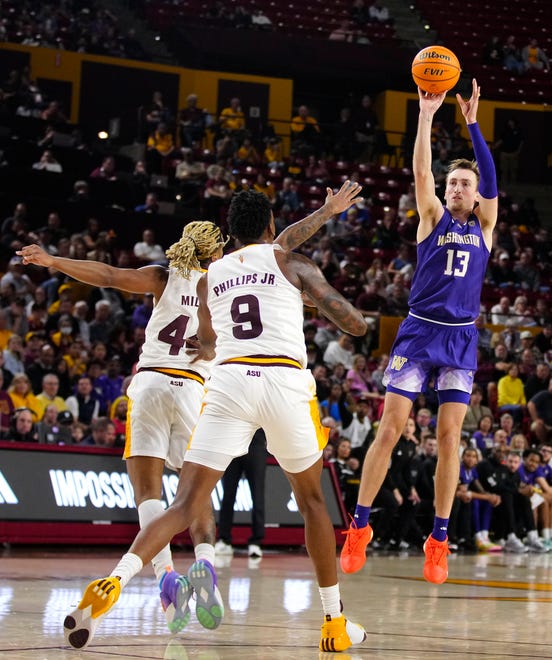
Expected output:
(255, 310)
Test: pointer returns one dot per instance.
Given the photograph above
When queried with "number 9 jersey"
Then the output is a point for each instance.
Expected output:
(452, 262)
(255, 310)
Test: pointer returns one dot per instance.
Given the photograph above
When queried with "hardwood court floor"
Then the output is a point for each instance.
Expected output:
(492, 607)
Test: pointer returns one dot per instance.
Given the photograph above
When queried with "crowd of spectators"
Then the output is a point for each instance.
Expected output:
(237, 16)
(77, 25)
(519, 60)
(359, 21)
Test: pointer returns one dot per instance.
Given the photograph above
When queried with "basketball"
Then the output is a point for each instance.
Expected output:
(435, 69)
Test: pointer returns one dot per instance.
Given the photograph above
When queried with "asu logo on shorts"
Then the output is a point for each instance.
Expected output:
(398, 362)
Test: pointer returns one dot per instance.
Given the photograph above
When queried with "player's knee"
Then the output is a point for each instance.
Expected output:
(311, 503)
(388, 433)
(146, 492)
(448, 443)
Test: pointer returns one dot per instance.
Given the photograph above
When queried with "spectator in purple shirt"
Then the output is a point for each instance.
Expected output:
(142, 313)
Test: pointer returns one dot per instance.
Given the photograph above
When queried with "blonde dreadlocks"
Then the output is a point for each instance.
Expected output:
(199, 241)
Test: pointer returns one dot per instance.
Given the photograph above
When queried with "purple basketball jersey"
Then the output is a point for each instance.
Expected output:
(452, 261)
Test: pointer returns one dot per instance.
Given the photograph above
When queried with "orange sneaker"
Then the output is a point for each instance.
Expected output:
(353, 553)
(435, 566)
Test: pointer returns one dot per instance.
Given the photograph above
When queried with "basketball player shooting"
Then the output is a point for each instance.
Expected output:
(438, 337)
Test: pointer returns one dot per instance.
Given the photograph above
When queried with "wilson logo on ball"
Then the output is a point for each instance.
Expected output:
(434, 55)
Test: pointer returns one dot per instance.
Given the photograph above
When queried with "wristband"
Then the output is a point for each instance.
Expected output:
(487, 172)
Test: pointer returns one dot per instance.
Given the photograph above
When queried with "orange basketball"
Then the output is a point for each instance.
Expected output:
(435, 69)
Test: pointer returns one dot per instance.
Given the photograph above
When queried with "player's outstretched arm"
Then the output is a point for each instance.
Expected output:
(306, 275)
(297, 233)
(488, 189)
(429, 206)
(142, 280)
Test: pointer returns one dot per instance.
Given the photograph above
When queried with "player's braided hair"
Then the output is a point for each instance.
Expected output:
(464, 164)
(198, 242)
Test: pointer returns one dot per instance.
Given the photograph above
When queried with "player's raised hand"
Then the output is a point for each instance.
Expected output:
(429, 102)
(34, 254)
(469, 107)
(345, 197)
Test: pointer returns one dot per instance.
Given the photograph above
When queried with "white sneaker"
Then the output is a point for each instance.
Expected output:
(515, 546)
(223, 548)
(536, 545)
(254, 550)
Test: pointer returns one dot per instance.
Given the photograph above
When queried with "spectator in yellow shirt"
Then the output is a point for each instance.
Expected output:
(246, 154)
(511, 394)
(232, 118)
(160, 147)
(5, 332)
(273, 156)
(263, 186)
(49, 394)
(305, 132)
(22, 396)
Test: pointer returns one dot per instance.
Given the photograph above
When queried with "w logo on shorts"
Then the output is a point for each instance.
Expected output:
(398, 362)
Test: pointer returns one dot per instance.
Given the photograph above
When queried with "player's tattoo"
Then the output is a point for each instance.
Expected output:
(301, 231)
(342, 313)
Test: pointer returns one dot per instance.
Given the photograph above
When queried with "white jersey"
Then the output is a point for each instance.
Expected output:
(256, 312)
(173, 321)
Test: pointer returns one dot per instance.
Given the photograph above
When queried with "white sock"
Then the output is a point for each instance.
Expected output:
(331, 601)
(546, 533)
(485, 535)
(479, 536)
(512, 537)
(533, 535)
(127, 568)
(205, 551)
(148, 511)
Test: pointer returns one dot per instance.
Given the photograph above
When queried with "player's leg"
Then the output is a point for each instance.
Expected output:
(201, 574)
(376, 462)
(185, 411)
(395, 415)
(146, 474)
(154, 415)
(449, 427)
(338, 633)
(288, 414)
(194, 488)
(319, 533)
(218, 438)
(147, 449)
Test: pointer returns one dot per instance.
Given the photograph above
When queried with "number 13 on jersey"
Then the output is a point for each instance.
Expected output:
(457, 262)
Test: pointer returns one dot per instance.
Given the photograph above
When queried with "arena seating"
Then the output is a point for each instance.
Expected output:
(304, 18)
(467, 30)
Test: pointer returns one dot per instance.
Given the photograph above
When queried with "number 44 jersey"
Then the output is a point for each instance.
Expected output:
(255, 310)
(172, 323)
(452, 261)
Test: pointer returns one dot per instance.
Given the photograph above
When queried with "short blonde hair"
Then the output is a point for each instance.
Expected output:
(463, 164)
(199, 241)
